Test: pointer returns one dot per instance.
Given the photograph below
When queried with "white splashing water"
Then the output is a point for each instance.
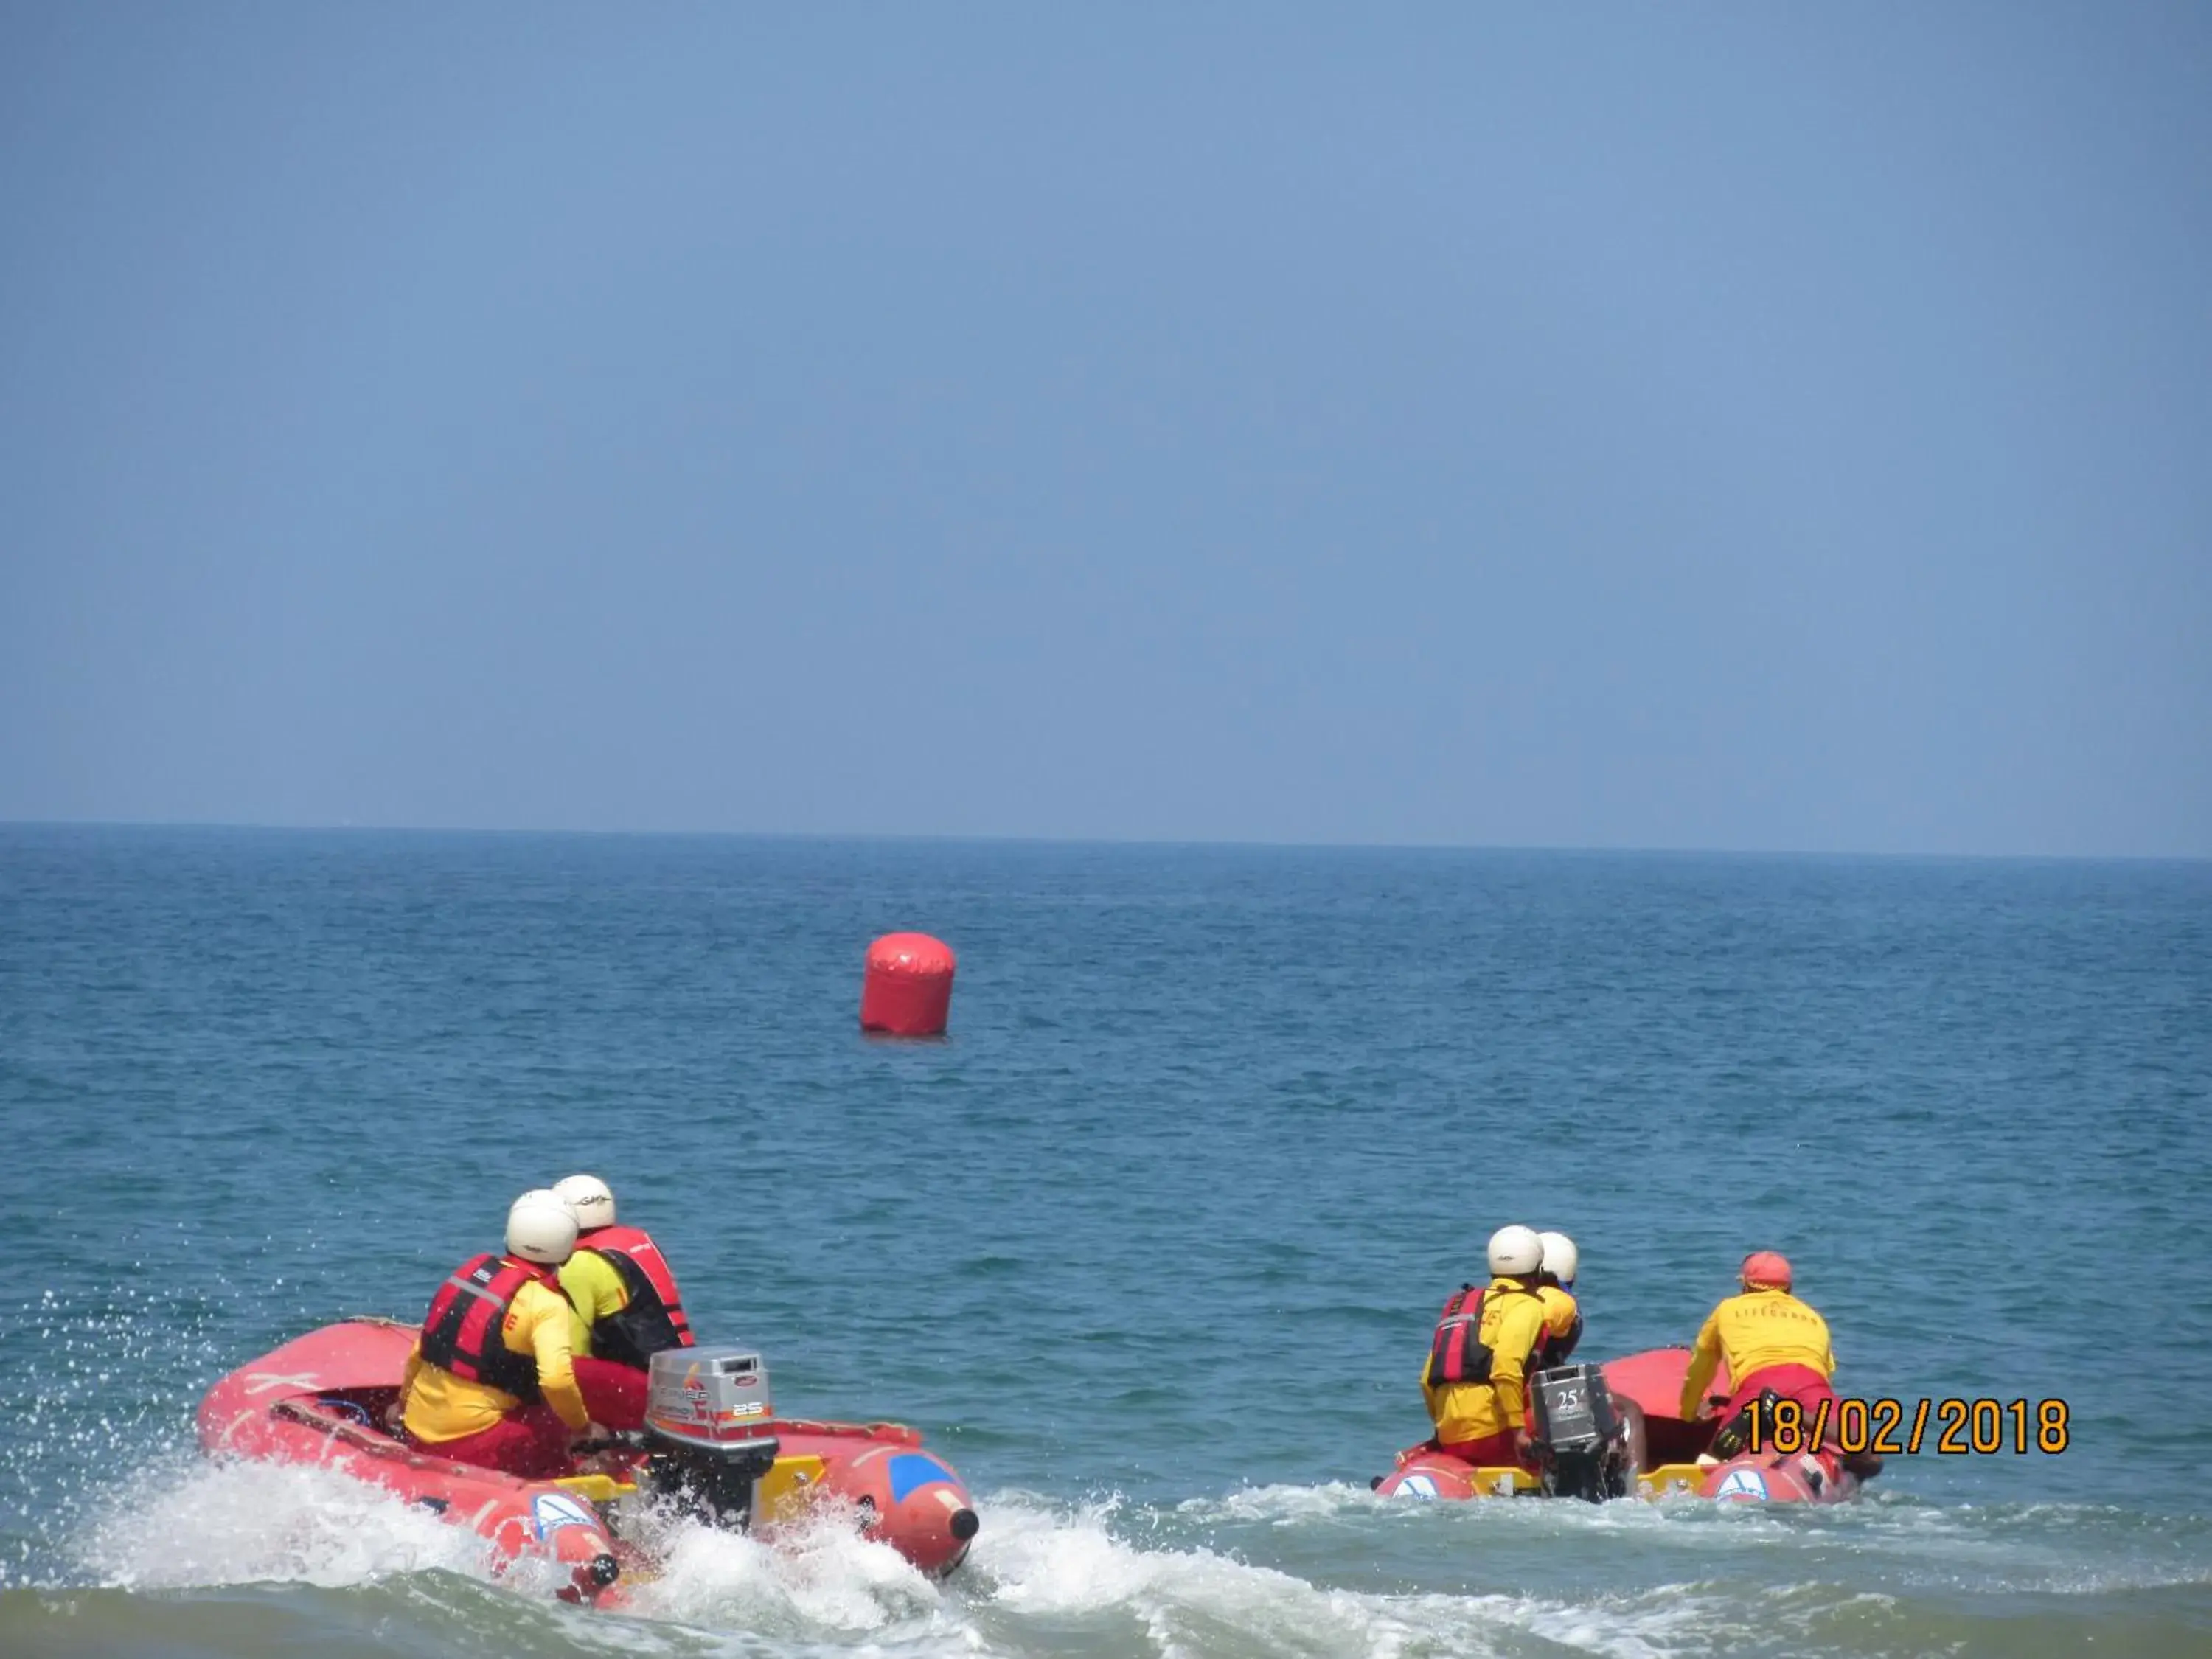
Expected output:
(1049, 1576)
(1048, 1566)
(822, 1576)
(214, 1523)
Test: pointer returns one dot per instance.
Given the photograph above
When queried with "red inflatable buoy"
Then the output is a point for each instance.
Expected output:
(908, 991)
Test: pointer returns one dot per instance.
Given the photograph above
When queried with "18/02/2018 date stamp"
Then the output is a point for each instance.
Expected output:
(1891, 1428)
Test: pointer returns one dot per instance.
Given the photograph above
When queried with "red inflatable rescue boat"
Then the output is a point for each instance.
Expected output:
(1617, 1430)
(712, 1443)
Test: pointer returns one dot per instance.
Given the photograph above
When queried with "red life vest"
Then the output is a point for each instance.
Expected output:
(653, 1317)
(1455, 1353)
(461, 1332)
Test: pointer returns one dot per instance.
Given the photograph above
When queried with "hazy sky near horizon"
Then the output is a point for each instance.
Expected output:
(1719, 426)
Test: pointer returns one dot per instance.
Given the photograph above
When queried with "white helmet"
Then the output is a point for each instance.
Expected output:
(540, 1228)
(1560, 1256)
(591, 1199)
(1516, 1251)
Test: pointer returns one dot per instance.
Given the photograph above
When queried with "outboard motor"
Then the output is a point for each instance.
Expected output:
(709, 1430)
(1585, 1441)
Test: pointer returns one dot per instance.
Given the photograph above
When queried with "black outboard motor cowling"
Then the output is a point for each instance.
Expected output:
(709, 1430)
(1585, 1441)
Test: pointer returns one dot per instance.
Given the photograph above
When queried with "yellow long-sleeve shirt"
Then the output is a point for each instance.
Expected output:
(1512, 1323)
(442, 1406)
(1752, 1332)
(595, 1290)
(1560, 1310)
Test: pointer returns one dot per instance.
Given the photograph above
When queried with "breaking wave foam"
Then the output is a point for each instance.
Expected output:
(218, 1523)
(821, 1577)
(1323, 1570)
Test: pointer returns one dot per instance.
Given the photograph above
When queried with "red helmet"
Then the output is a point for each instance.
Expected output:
(1766, 1270)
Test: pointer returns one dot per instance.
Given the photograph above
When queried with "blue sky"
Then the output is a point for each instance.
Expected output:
(1623, 426)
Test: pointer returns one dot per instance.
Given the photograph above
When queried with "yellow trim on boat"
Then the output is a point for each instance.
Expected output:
(779, 1496)
(1504, 1481)
(1669, 1480)
(784, 1490)
(599, 1488)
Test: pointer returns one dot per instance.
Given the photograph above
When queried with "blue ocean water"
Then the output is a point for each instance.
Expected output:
(1149, 1247)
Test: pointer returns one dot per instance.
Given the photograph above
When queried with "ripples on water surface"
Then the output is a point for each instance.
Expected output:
(1149, 1248)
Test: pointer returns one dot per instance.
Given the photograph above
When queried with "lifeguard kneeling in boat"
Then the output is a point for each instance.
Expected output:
(1476, 1379)
(626, 1306)
(491, 1380)
(1776, 1349)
